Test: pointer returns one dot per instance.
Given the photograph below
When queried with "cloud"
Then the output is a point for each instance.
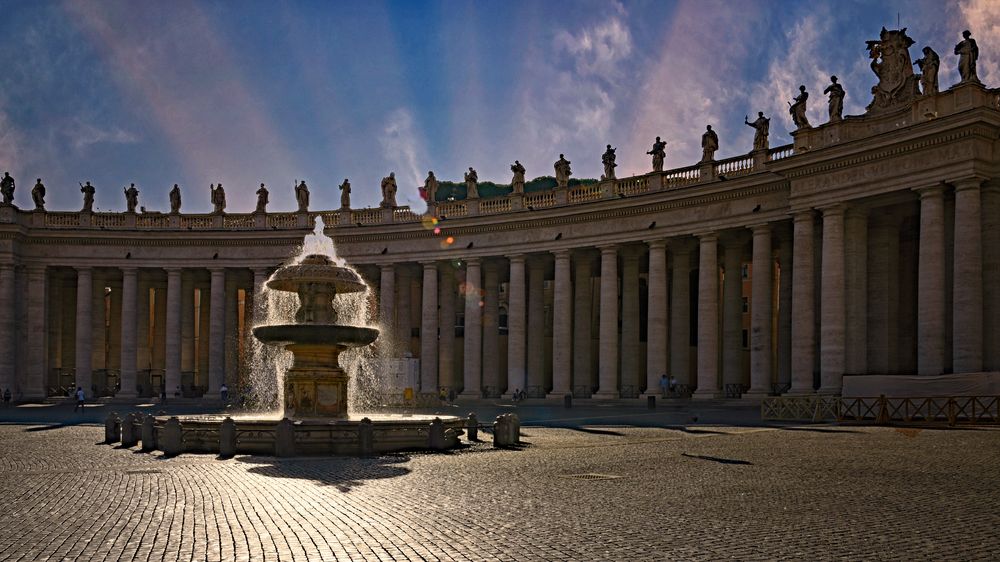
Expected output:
(402, 150)
(982, 17)
(597, 50)
(84, 134)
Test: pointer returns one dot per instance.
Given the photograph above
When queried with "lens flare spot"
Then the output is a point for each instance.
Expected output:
(449, 240)
(437, 230)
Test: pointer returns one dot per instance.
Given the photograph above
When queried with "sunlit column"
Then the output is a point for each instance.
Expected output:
(803, 303)
(630, 355)
(732, 311)
(84, 325)
(491, 331)
(608, 332)
(582, 336)
(173, 327)
(217, 334)
(657, 314)
(562, 326)
(708, 316)
(187, 323)
(536, 326)
(680, 312)
(473, 366)
(387, 307)
(129, 326)
(446, 321)
(516, 324)
(429, 329)
(761, 277)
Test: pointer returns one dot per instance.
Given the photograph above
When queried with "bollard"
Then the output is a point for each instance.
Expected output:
(435, 437)
(130, 437)
(148, 434)
(568, 401)
(366, 437)
(171, 437)
(515, 429)
(227, 438)
(472, 425)
(284, 439)
(651, 402)
(501, 431)
(112, 429)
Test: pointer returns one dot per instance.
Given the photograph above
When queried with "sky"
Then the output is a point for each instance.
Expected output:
(202, 92)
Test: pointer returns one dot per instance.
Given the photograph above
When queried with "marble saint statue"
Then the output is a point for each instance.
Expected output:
(968, 54)
(837, 94)
(517, 182)
(302, 196)
(131, 198)
(929, 65)
(389, 190)
(798, 109)
(38, 195)
(709, 144)
(7, 189)
(175, 199)
(608, 159)
(218, 199)
(88, 197)
(659, 153)
(262, 200)
(471, 184)
(430, 187)
(563, 171)
(761, 127)
(345, 194)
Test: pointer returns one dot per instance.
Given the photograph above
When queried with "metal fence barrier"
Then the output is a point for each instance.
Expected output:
(951, 410)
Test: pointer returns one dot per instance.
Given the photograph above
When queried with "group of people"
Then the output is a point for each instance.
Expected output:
(668, 385)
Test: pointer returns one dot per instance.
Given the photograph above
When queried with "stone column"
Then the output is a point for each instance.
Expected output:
(129, 326)
(785, 310)
(803, 303)
(187, 323)
(98, 325)
(883, 298)
(536, 324)
(259, 298)
(217, 334)
(967, 315)
(404, 318)
(832, 309)
(84, 325)
(732, 312)
(856, 258)
(516, 324)
(582, 295)
(562, 327)
(930, 285)
(991, 276)
(8, 329)
(232, 329)
(680, 319)
(429, 330)
(173, 328)
(708, 316)
(657, 314)
(608, 350)
(630, 357)
(473, 367)
(491, 326)
(36, 360)
(387, 308)
(446, 321)
(760, 312)
(143, 352)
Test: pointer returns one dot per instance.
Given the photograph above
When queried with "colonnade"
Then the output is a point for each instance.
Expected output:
(126, 331)
(848, 288)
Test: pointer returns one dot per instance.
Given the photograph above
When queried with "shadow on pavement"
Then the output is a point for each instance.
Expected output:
(818, 429)
(345, 473)
(716, 459)
(57, 426)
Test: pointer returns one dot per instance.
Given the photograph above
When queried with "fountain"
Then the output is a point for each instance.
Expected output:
(314, 417)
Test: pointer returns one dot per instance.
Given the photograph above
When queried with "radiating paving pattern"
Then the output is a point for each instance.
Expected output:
(700, 493)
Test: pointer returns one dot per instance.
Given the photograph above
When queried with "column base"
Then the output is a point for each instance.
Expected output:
(606, 395)
(557, 394)
(829, 391)
(800, 392)
(471, 394)
(708, 395)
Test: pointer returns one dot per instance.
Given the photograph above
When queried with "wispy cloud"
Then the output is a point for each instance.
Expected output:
(402, 149)
(85, 134)
(982, 17)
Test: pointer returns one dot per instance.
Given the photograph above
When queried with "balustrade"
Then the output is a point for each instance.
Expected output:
(779, 152)
(108, 220)
(681, 176)
(62, 219)
(584, 193)
(238, 221)
(632, 186)
(152, 221)
(281, 220)
(404, 214)
(493, 206)
(453, 209)
(734, 167)
(196, 221)
(537, 200)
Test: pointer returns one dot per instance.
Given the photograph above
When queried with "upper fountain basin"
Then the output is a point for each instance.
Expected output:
(332, 334)
(316, 268)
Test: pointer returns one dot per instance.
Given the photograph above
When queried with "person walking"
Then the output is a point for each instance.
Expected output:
(6, 397)
(80, 396)
(664, 385)
(224, 392)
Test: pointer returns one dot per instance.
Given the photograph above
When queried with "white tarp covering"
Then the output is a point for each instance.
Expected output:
(904, 386)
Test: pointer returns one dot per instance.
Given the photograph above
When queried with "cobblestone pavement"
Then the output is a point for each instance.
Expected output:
(688, 493)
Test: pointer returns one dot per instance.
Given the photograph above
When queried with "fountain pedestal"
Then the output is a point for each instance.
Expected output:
(315, 386)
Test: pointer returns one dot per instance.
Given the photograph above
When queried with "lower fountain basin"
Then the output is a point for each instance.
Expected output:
(316, 334)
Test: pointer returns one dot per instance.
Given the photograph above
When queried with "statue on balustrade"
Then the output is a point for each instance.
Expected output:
(218, 199)
(709, 144)
(608, 159)
(471, 184)
(389, 190)
(38, 195)
(88, 197)
(517, 182)
(968, 54)
(345, 195)
(562, 171)
(837, 94)
(761, 127)
(890, 56)
(7, 189)
(659, 153)
(175, 200)
(798, 109)
(262, 199)
(131, 198)
(430, 187)
(302, 196)
(929, 65)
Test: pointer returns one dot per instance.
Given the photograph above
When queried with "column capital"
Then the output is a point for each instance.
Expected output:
(682, 245)
(656, 244)
(217, 271)
(931, 190)
(35, 268)
(804, 215)
(431, 264)
(608, 249)
(833, 210)
(760, 228)
(971, 182)
(173, 270)
(516, 258)
(562, 254)
(84, 269)
(707, 237)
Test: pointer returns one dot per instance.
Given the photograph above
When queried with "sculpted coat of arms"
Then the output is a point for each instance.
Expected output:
(890, 56)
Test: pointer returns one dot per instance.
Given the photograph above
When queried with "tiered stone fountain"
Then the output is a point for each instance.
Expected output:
(315, 417)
